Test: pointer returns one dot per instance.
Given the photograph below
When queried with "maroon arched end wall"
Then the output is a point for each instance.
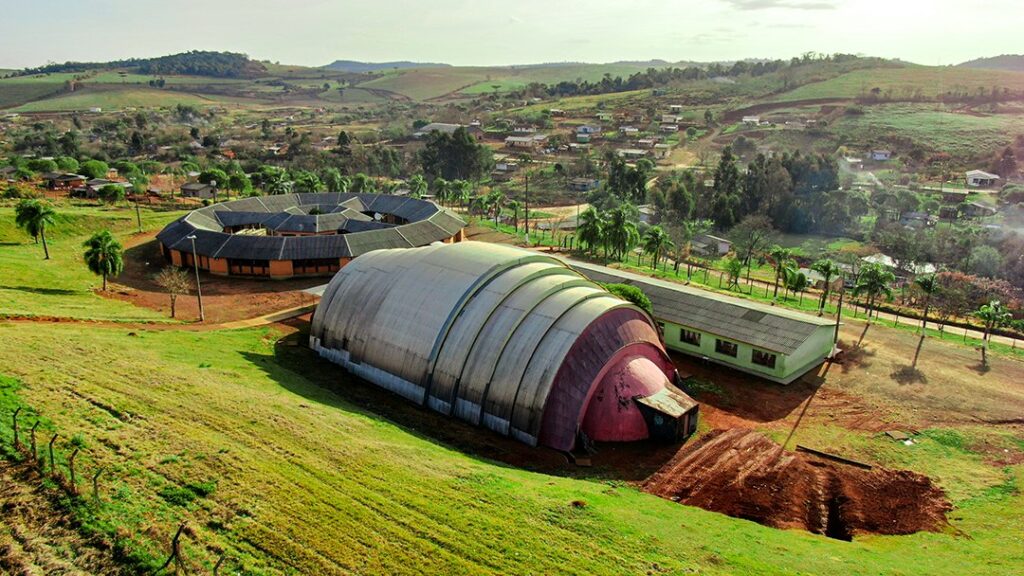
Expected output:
(617, 357)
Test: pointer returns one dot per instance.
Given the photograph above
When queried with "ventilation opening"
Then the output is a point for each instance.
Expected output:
(835, 524)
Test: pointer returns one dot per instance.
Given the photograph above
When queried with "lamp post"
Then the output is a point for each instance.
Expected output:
(199, 289)
(213, 184)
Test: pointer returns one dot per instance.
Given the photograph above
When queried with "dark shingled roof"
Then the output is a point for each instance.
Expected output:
(345, 214)
(765, 327)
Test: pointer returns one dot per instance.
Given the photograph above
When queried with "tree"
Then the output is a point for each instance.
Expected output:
(656, 242)
(752, 235)
(34, 216)
(496, 201)
(928, 285)
(104, 255)
(111, 193)
(631, 294)
(828, 270)
(418, 186)
(456, 155)
(781, 258)
(620, 233)
(726, 190)
(796, 282)
(307, 182)
(514, 206)
(873, 281)
(94, 169)
(175, 282)
(985, 261)
(363, 184)
(590, 229)
(734, 268)
(994, 315)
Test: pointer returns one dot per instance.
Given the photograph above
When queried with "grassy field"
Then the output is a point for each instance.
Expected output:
(62, 286)
(113, 99)
(933, 126)
(931, 80)
(289, 477)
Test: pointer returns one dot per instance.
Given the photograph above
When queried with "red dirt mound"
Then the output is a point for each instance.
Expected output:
(744, 474)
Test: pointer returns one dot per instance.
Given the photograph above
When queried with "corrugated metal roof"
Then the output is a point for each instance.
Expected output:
(765, 327)
(289, 213)
(475, 330)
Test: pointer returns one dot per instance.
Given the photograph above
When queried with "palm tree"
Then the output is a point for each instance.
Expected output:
(496, 201)
(442, 187)
(733, 267)
(796, 282)
(994, 315)
(344, 184)
(779, 257)
(104, 255)
(620, 233)
(873, 281)
(34, 216)
(656, 241)
(280, 185)
(363, 184)
(590, 229)
(514, 206)
(929, 286)
(418, 187)
(828, 270)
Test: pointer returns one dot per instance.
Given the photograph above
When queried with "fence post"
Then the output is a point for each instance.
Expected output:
(71, 468)
(17, 442)
(35, 456)
(174, 549)
(53, 463)
(95, 483)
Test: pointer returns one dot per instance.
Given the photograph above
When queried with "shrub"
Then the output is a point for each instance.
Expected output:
(631, 294)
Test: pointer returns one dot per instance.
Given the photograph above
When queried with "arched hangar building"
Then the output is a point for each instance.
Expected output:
(302, 234)
(504, 338)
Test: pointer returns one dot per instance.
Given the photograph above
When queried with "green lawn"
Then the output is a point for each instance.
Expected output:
(63, 286)
(930, 80)
(288, 477)
(116, 98)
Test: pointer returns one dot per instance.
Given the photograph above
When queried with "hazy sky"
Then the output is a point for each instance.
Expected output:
(466, 32)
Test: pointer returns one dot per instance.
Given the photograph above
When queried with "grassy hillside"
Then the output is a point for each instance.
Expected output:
(904, 81)
(116, 99)
(63, 286)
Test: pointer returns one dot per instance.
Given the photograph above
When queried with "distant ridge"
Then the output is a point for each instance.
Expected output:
(355, 66)
(1011, 62)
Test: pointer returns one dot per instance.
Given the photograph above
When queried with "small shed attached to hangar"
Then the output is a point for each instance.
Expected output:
(504, 338)
(774, 343)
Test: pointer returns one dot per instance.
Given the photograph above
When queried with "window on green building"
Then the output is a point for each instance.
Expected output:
(689, 337)
(766, 359)
(726, 347)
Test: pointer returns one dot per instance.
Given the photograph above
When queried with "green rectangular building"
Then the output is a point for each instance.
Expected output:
(774, 343)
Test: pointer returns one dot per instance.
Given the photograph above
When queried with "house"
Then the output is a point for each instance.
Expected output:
(668, 128)
(675, 108)
(556, 112)
(766, 341)
(853, 163)
(817, 281)
(197, 190)
(604, 117)
(647, 213)
(521, 142)
(646, 143)
(634, 153)
(710, 246)
(588, 129)
(669, 119)
(662, 151)
(523, 130)
(890, 262)
(583, 184)
(445, 128)
(92, 188)
(917, 220)
(881, 155)
(978, 210)
(583, 138)
(751, 120)
(954, 196)
(629, 130)
(63, 180)
(981, 179)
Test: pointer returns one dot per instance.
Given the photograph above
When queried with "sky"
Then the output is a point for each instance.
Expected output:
(485, 32)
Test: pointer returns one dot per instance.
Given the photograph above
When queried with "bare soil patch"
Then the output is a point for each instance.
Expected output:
(224, 299)
(744, 474)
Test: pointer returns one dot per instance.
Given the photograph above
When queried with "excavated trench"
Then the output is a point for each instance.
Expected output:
(744, 474)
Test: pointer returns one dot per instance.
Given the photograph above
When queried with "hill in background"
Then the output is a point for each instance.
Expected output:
(356, 66)
(1012, 62)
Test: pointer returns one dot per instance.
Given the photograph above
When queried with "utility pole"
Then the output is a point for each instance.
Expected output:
(199, 289)
(527, 227)
(839, 316)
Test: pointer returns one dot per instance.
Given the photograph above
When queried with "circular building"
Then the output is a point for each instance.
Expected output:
(302, 234)
(504, 338)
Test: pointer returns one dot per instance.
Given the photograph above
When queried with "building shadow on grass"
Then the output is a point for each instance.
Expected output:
(301, 371)
(144, 261)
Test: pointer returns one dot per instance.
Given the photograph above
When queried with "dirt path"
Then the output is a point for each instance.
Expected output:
(739, 113)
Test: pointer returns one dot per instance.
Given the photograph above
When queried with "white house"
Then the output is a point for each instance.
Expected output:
(981, 179)
(751, 120)
(881, 155)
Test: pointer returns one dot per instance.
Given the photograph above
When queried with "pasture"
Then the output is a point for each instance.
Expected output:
(903, 82)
